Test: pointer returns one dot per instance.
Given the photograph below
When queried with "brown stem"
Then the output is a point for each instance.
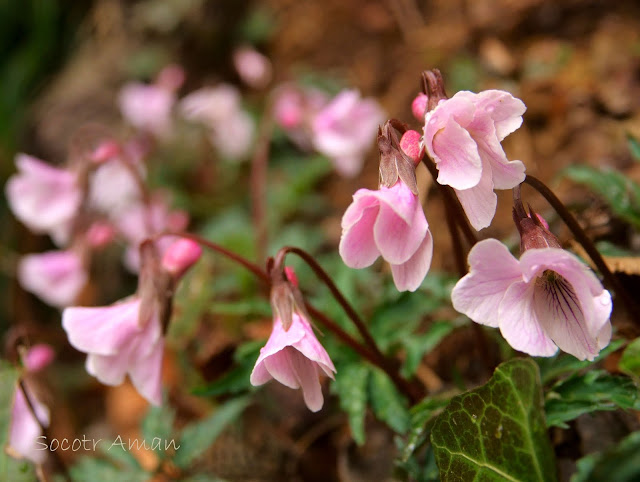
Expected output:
(258, 183)
(629, 303)
(451, 200)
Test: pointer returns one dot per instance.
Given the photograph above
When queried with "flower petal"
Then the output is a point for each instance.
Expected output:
(409, 275)
(307, 374)
(479, 202)
(492, 270)
(280, 366)
(456, 155)
(357, 246)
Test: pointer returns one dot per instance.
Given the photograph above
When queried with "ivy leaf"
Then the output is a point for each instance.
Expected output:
(593, 391)
(388, 405)
(197, 437)
(10, 469)
(351, 387)
(622, 194)
(620, 463)
(497, 431)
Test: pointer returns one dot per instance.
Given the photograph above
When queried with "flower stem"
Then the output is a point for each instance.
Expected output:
(631, 306)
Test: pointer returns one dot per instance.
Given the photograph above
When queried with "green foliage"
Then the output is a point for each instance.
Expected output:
(620, 192)
(497, 431)
(387, 404)
(350, 385)
(593, 391)
(630, 360)
(620, 463)
(101, 470)
(197, 437)
(634, 147)
(10, 469)
(158, 424)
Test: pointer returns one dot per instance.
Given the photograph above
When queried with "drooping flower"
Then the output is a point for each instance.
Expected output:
(462, 135)
(546, 300)
(219, 108)
(127, 338)
(43, 197)
(57, 277)
(344, 130)
(25, 428)
(295, 358)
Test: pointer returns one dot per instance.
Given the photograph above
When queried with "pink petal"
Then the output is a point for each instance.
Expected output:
(280, 366)
(146, 373)
(108, 369)
(311, 348)
(519, 324)
(492, 270)
(409, 275)
(479, 202)
(307, 374)
(101, 330)
(357, 246)
(457, 158)
(55, 276)
(505, 110)
(25, 430)
(505, 174)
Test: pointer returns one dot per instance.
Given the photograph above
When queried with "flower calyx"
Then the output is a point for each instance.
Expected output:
(286, 299)
(533, 229)
(433, 87)
(394, 162)
(156, 287)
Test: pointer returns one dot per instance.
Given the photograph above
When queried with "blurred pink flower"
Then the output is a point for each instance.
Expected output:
(345, 129)
(219, 109)
(296, 359)
(180, 256)
(390, 223)
(253, 68)
(43, 197)
(294, 109)
(547, 300)
(119, 343)
(25, 429)
(57, 277)
(462, 135)
(38, 357)
(113, 187)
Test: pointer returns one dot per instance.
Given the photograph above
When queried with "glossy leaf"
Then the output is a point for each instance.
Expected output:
(497, 431)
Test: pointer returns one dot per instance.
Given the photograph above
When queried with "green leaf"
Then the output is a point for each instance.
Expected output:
(197, 437)
(158, 424)
(10, 469)
(620, 463)
(620, 192)
(497, 431)
(630, 360)
(422, 417)
(388, 405)
(593, 391)
(99, 470)
(351, 387)
(417, 345)
(634, 147)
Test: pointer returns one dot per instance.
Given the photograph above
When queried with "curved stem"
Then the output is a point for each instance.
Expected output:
(586, 243)
(451, 200)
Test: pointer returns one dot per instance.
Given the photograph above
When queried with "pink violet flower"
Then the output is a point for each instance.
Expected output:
(43, 197)
(296, 359)
(57, 277)
(345, 129)
(25, 429)
(390, 223)
(462, 135)
(253, 68)
(127, 338)
(546, 300)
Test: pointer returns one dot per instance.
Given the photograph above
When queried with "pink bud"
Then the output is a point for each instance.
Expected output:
(100, 234)
(543, 221)
(411, 145)
(171, 77)
(177, 220)
(38, 357)
(105, 151)
(291, 275)
(180, 256)
(419, 106)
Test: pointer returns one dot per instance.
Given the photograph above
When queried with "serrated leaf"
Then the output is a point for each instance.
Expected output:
(630, 361)
(10, 469)
(197, 437)
(593, 391)
(387, 404)
(158, 424)
(351, 387)
(497, 431)
(620, 192)
(620, 463)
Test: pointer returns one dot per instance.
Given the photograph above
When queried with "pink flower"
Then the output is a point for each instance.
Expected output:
(113, 187)
(547, 300)
(43, 197)
(126, 338)
(25, 429)
(118, 344)
(148, 107)
(220, 110)
(345, 129)
(296, 359)
(253, 68)
(38, 357)
(390, 223)
(57, 277)
(462, 135)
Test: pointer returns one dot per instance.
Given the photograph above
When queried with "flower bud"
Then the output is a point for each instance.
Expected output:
(180, 256)
(411, 145)
(533, 229)
(38, 357)
(419, 106)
